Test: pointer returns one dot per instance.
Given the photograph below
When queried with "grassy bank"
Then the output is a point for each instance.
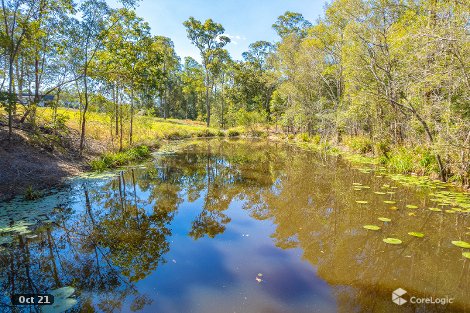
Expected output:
(146, 130)
(406, 159)
(397, 161)
(150, 131)
(112, 160)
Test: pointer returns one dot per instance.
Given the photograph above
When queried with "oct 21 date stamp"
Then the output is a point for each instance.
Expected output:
(32, 299)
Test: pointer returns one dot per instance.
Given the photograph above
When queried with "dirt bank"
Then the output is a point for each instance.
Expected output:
(25, 163)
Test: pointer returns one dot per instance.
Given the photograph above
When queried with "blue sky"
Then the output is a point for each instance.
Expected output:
(245, 21)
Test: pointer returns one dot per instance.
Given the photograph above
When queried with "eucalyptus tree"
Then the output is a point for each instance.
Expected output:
(192, 77)
(91, 32)
(17, 16)
(207, 37)
(43, 52)
(292, 23)
(169, 66)
(253, 77)
(129, 63)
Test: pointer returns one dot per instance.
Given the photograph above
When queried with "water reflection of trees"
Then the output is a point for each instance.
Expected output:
(311, 201)
(122, 234)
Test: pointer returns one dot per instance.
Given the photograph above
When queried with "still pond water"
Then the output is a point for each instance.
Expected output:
(235, 226)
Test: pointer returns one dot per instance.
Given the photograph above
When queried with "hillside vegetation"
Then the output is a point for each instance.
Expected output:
(387, 79)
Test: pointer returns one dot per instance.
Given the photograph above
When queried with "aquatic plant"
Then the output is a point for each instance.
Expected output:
(371, 227)
(461, 244)
(392, 241)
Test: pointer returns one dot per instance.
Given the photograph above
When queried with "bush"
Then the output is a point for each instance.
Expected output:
(206, 132)
(359, 144)
(233, 132)
(176, 134)
(401, 160)
(249, 118)
(257, 133)
(304, 137)
(381, 149)
(30, 194)
(113, 160)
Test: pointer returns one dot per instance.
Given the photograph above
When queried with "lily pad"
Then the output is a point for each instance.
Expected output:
(380, 193)
(461, 244)
(62, 300)
(371, 227)
(63, 292)
(466, 255)
(394, 208)
(435, 209)
(384, 219)
(392, 241)
(411, 206)
(361, 202)
(389, 202)
(416, 234)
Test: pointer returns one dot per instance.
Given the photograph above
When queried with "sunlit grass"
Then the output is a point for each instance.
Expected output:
(146, 129)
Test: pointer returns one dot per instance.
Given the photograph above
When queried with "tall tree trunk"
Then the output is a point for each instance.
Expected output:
(132, 115)
(85, 109)
(10, 97)
(116, 109)
(208, 105)
(121, 128)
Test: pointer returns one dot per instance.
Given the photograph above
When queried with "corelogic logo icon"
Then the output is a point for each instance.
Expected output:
(397, 296)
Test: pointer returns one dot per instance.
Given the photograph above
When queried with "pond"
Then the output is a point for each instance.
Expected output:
(238, 226)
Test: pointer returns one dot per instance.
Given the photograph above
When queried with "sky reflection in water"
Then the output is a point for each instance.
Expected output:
(192, 230)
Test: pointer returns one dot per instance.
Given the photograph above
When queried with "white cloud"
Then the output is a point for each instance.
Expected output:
(235, 39)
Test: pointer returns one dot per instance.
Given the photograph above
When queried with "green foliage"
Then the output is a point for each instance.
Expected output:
(304, 137)
(359, 144)
(405, 160)
(31, 194)
(114, 160)
(177, 134)
(246, 118)
(207, 132)
(234, 132)
(401, 160)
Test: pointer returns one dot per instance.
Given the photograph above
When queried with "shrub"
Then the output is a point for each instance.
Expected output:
(401, 160)
(233, 132)
(428, 162)
(257, 133)
(359, 144)
(113, 160)
(176, 134)
(381, 149)
(30, 194)
(304, 137)
(206, 132)
(316, 139)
